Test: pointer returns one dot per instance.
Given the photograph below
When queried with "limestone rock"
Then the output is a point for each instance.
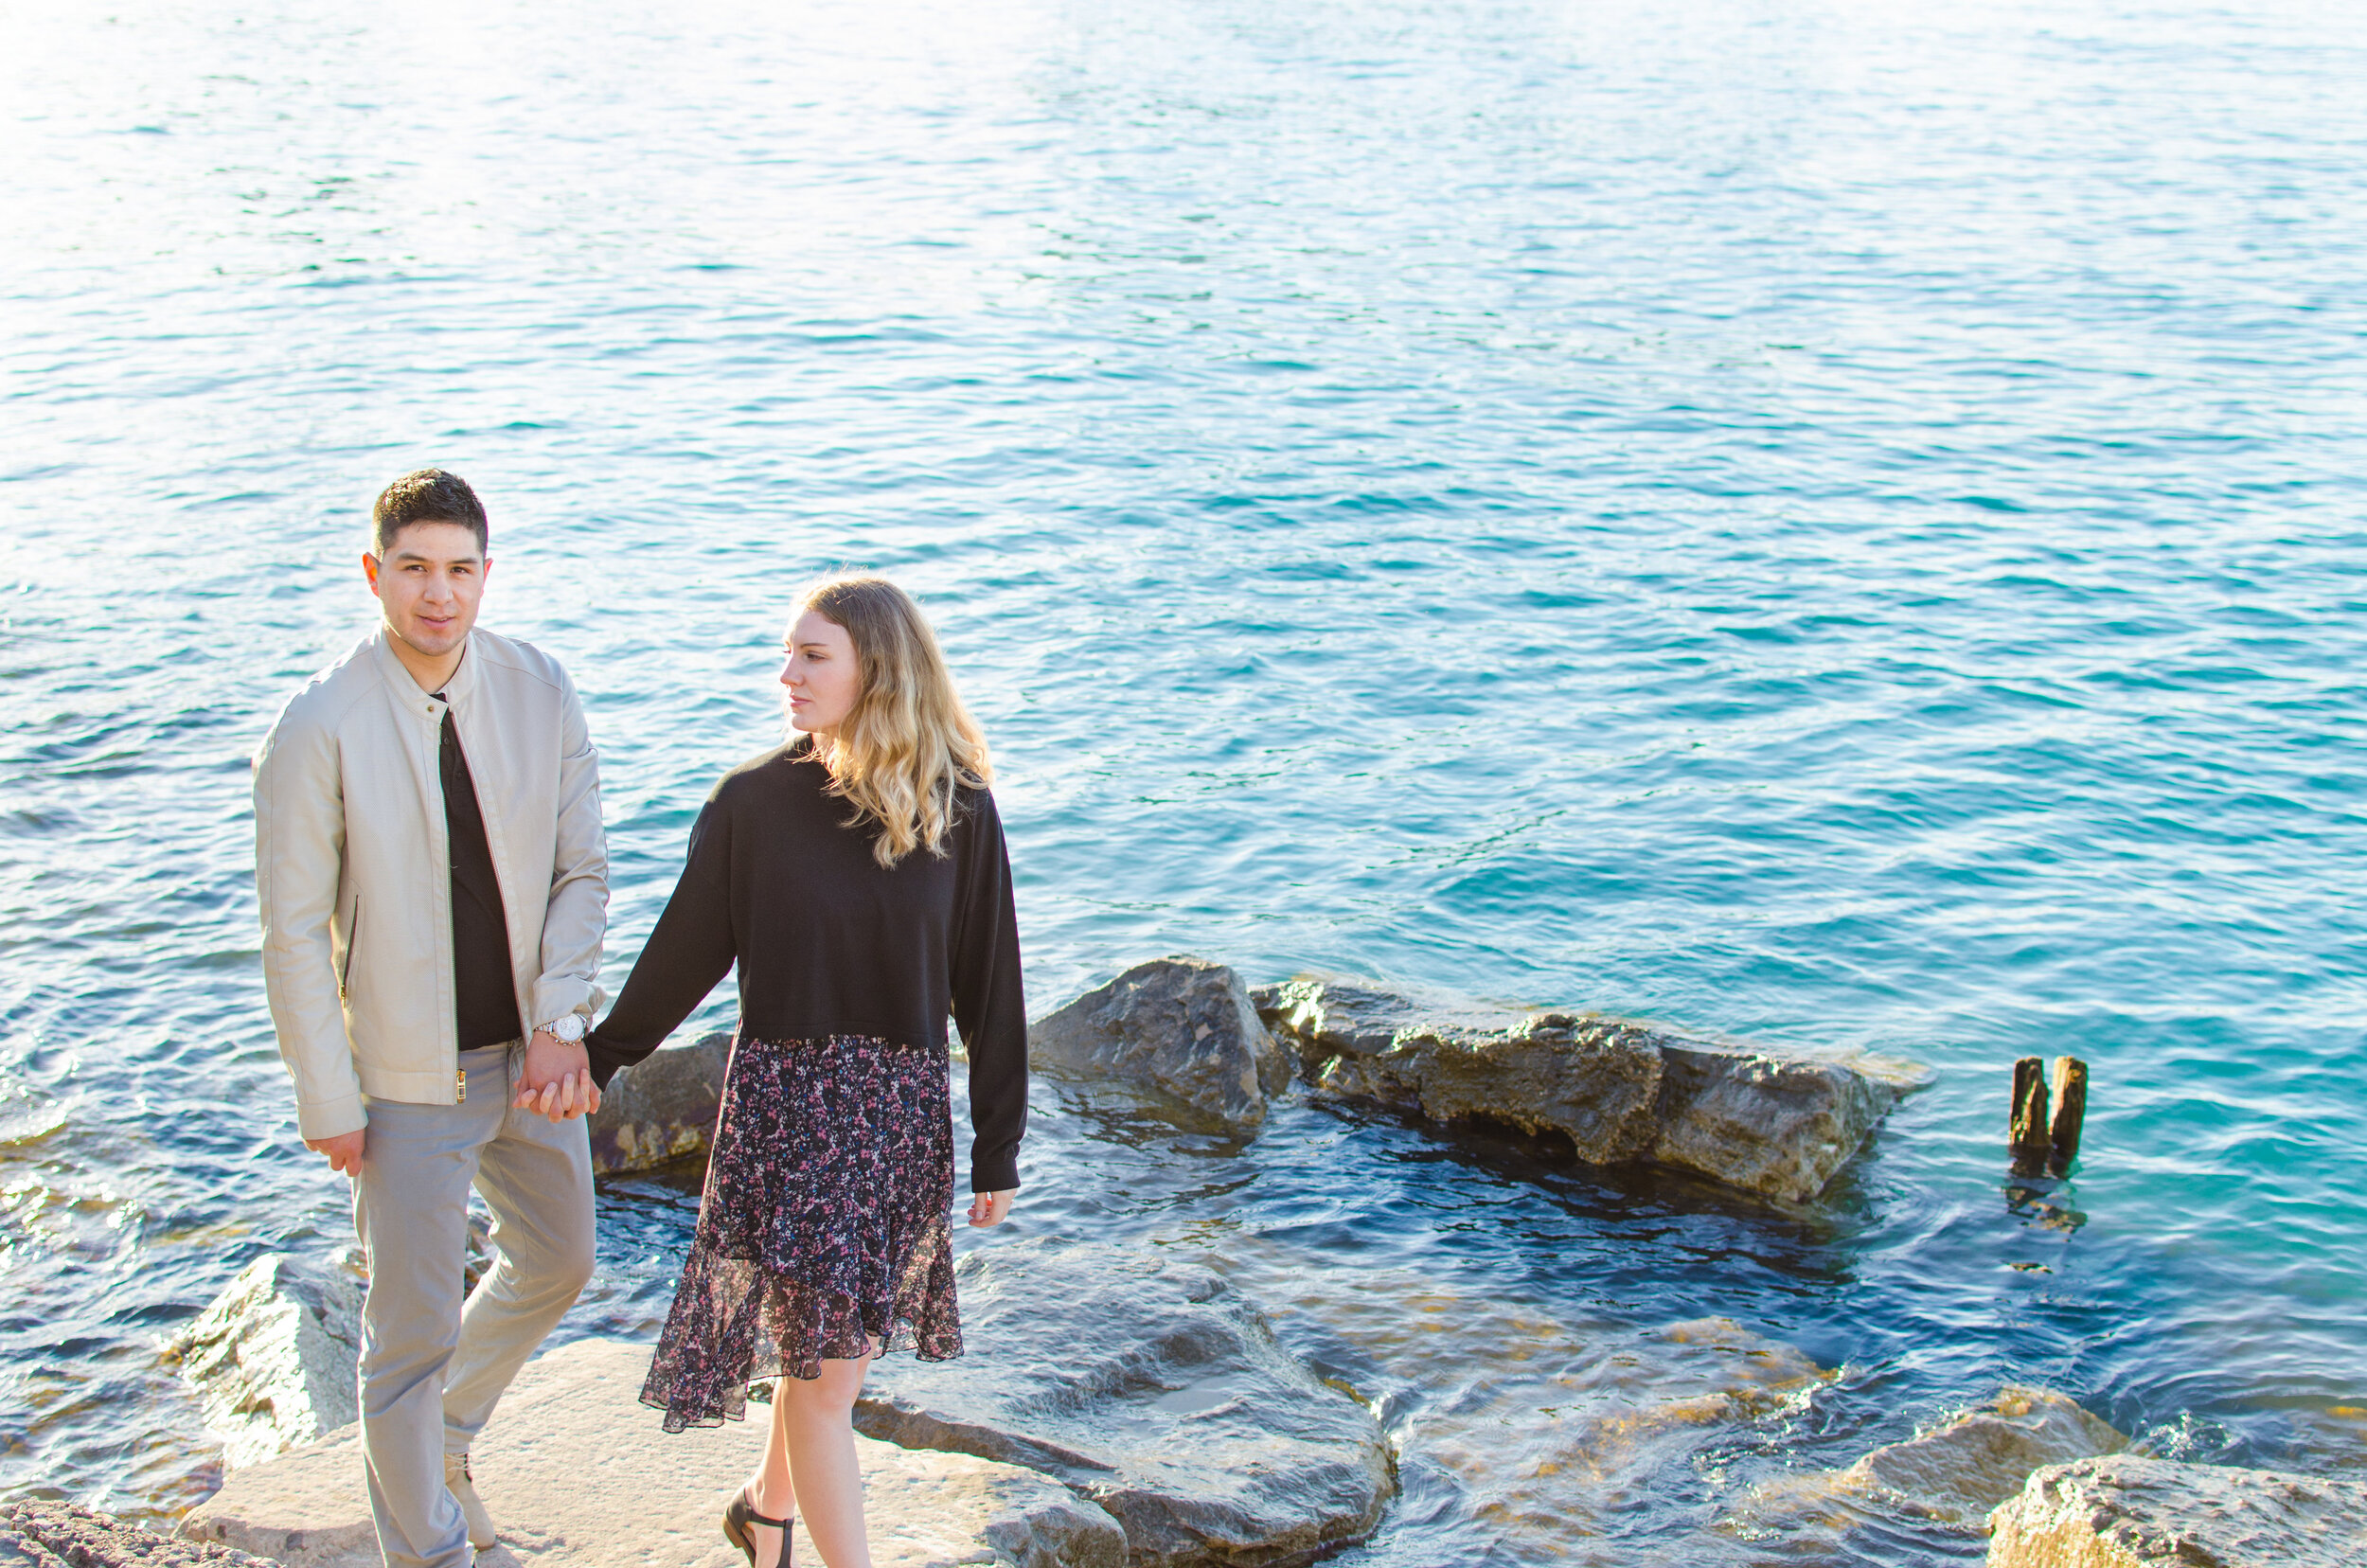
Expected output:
(272, 1358)
(59, 1535)
(2123, 1512)
(1184, 1027)
(1153, 1390)
(1768, 1125)
(1597, 1083)
(578, 1475)
(1953, 1475)
(1961, 1471)
(1781, 1128)
(662, 1108)
(1334, 1017)
(1547, 1426)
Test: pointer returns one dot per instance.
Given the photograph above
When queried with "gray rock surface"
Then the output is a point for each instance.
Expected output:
(272, 1358)
(2123, 1511)
(2131, 1512)
(578, 1474)
(1968, 1466)
(1183, 1026)
(1150, 1387)
(1779, 1127)
(59, 1535)
(1953, 1475)
(1572, 1428)
(662, 1109)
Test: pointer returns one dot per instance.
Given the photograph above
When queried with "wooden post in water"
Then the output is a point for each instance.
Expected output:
(2028, 1138)
(2071, 1109)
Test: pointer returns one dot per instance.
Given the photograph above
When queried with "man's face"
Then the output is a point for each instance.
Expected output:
(428, 584)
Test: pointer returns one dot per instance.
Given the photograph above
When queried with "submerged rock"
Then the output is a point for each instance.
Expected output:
(1150, 1388)
(578, 1475)
(1183, 1026)
(272, 1358)
(1959, 1472)
(2123, 1512)
(1554, 1452)
(662, 1108)
(59, 1535)
(1779, 1127)
(1951, 1476)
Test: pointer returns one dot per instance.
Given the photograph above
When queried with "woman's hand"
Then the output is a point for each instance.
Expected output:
(988, 1208)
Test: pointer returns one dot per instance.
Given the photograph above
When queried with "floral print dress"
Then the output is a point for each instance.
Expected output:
(822, 1230)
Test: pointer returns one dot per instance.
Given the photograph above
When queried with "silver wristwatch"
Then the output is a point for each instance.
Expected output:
(567, 1027)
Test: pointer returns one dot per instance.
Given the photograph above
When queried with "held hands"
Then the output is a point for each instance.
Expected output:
(344, 1151)
(556, 1078)
(988, 1208)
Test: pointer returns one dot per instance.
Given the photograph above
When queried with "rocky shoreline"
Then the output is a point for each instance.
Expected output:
(1123, 1405)
(1161, 1424)
(1192, 1038)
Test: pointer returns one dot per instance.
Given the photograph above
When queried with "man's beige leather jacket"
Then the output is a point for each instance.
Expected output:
(354, 870)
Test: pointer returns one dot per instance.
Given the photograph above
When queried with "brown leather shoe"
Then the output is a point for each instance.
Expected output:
(738, 1516)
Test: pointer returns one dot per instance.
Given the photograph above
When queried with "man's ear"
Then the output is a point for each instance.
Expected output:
(369, 569)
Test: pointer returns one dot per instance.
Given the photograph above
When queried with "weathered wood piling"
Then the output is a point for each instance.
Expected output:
(2070, 1110)
(2028, 1139)
(2038, 1143)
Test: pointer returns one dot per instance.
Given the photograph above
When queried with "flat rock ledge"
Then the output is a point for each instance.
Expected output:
(578, 1475)
(1184, 1027)
(1152, 1390)
(1780, 1127)
(661, 1109)
(2125, 1511)
(59, 1535)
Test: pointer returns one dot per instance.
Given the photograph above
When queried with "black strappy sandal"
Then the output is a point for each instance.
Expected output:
(738, 1516)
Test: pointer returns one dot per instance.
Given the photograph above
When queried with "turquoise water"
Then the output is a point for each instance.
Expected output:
(1809, 523)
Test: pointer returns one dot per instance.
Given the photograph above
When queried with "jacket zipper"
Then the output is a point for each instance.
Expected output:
(353, 943)
(461, 1085)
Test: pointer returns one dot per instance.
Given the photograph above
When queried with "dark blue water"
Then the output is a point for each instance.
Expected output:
(1810, 524)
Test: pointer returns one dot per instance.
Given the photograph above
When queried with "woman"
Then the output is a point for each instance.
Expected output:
(858, 876)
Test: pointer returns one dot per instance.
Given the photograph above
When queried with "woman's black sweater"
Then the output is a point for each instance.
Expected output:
(830, 942)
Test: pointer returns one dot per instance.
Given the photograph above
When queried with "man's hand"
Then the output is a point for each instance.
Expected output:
(344, 1151)
(557, 1079)
(988, 1208)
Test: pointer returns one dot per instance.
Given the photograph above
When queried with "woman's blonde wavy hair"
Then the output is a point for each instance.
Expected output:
(908, 743)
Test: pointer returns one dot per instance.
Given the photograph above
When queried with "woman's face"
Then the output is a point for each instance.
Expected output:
(821, 673)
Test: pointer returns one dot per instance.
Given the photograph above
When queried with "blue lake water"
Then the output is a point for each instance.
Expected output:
(1835, 526)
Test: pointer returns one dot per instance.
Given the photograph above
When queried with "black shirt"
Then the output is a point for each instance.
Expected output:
(828, 941)
(484, 993)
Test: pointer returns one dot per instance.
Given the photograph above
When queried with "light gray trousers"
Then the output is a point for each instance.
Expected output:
(432, 1367)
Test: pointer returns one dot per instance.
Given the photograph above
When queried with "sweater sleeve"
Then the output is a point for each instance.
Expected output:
(691, 948)
(988, 1007)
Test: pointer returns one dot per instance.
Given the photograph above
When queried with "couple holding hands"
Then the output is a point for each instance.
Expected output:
(433, 886)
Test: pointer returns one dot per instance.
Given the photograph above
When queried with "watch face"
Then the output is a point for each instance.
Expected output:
(569, 1028)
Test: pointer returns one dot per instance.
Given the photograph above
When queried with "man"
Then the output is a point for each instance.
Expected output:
(434, 886)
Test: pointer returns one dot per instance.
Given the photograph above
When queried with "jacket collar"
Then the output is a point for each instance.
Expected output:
(463, 679)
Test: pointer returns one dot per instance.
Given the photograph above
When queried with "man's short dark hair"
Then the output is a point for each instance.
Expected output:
(430, 495)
